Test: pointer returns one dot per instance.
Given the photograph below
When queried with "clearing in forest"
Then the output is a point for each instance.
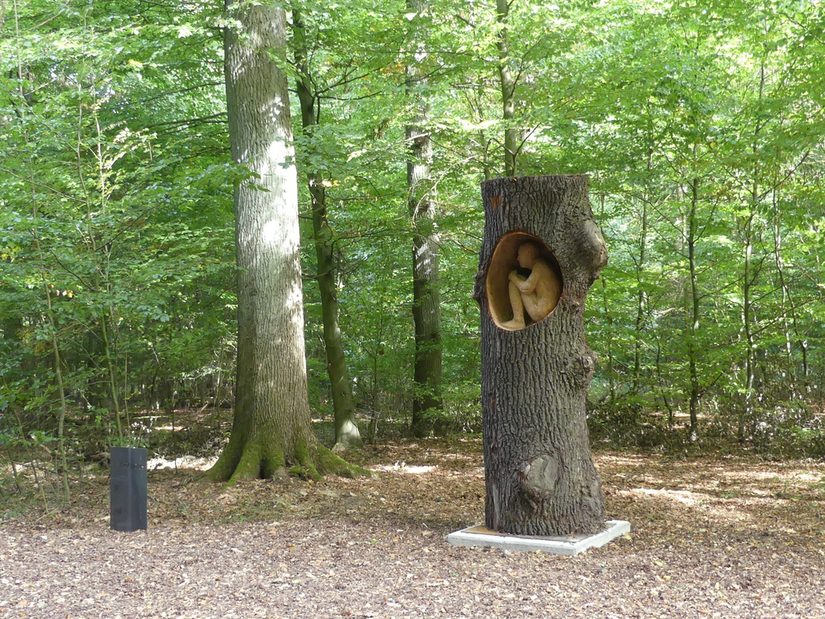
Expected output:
(725, 537)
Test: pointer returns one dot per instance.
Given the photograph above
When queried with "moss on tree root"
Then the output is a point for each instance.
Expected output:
(317, 460)
(252, 461)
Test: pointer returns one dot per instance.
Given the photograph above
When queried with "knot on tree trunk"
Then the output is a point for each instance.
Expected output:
(539, 476)
(582, 369)
(592, 248)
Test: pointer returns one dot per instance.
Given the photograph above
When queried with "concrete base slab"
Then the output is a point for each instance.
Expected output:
(561, 545)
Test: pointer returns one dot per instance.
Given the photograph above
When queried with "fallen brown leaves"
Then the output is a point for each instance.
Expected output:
(712, 537)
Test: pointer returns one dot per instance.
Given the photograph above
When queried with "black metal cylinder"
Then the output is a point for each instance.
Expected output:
(127, 488)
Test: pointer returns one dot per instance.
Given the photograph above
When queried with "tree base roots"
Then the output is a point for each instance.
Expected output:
(253, 462)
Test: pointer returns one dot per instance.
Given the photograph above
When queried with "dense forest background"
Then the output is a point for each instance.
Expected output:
(700, 124)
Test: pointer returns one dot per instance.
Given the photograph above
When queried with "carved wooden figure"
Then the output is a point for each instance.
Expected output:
(542, 250)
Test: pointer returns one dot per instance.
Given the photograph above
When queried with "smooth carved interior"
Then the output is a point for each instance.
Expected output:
(503, 262)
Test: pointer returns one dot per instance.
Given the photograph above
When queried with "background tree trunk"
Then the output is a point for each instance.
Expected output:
(507, 83)
(422, 207)
(694, 308)
(346, 431)
(540, 477)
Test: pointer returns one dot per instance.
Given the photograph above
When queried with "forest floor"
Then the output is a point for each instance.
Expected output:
(712, 537)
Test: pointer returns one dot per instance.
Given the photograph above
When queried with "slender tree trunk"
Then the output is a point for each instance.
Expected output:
(111, 371)
(346, 431)
(608, 317)
(540, 477)
(507, 83)
(61, 392)
(102, 190)
(746, 414)
(476, 102)
(662, 383)
(427, 401)
(693, 317)
(640, 291)
(58, 363)
(788, 308)
(271, 428)
(611, 367)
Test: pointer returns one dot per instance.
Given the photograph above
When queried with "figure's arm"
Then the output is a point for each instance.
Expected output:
(529, 285)
(524, 285)
(520, 281)
(540, 272)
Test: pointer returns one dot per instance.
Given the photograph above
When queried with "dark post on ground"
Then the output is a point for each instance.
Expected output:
(541, 252)
(127, 488)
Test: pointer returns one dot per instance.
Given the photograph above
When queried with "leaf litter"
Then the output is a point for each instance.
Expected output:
(712, 537)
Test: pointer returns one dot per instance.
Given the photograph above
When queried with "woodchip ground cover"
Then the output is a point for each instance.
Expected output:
(725, 537)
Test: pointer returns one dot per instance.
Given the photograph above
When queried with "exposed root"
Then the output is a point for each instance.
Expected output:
(254, 461)
(331, 463)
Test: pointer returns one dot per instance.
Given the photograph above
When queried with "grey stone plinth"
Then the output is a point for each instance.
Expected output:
(562, 545)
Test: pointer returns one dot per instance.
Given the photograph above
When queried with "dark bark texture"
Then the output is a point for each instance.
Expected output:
(540, 476)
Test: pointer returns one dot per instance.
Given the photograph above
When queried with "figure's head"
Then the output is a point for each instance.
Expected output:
(527, 254)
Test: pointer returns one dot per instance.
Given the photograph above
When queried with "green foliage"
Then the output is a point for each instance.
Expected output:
(115, 218)
(115, 214)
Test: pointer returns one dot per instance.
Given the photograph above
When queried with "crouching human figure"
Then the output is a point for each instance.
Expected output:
(534, 288)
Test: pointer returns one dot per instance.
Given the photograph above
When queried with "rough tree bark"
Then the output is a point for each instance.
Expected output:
(346, 431)
(421, 203)
(540, 476)
(271, 429)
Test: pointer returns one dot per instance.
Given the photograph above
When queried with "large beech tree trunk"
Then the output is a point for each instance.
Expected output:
(271, 428)
(540, 476)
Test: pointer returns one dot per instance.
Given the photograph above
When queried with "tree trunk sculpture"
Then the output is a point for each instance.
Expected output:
(540, 476)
